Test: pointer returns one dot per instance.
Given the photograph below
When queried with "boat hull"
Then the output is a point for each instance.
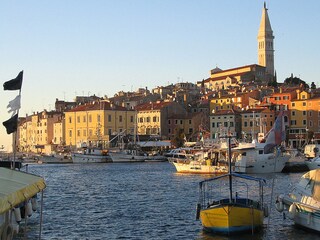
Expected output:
(228, 219)
(123, 157)
(199, 168)
(89, 158)
(261, 165)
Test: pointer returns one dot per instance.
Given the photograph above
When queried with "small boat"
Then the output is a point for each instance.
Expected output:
(302, 204)
(313, 163)
(91, 155)
(237, 208)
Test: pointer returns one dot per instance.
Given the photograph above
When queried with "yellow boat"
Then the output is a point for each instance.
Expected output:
(222, 210)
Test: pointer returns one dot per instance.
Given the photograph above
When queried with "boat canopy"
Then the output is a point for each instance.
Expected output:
(16, 187)
(235, 175)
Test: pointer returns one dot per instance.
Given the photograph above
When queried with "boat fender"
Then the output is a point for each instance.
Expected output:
(279, 204)
(198, 209)
(15, 228)
(292, 211)
(265, 211)
(17, 214)
(34, 203)
(7, 233)
(29, 208)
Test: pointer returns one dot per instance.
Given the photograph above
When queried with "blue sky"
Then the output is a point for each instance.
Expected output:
(76, 47)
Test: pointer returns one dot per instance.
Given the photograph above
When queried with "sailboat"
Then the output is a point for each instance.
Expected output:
(238, 208)
(263, 157)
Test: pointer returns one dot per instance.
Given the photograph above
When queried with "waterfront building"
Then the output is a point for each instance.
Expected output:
(304, 119)
(191, 125)
(256, 122)
(95, 122)
(224, 122)
(36, 132)
(152, 117)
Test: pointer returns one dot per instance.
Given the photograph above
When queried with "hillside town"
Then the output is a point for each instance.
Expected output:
(243, 101)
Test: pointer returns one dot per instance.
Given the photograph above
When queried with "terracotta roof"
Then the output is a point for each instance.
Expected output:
(97, 106)
(152, 106)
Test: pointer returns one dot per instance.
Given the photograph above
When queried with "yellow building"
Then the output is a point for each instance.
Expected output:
(95, 122)
(304, 119)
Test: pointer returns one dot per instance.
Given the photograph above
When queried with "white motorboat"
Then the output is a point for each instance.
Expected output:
(91, 155)
(313, 163)
(302, 204)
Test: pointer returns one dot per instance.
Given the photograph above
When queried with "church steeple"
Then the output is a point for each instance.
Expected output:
(265, 43)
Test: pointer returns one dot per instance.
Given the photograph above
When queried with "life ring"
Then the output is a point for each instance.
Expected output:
(7, 233)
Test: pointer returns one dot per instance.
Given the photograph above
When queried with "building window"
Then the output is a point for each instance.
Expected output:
(246, 124)
(293, 122)
(213, 124)
(131, 119)
(304, 104)
(109, 118)
(154, 119)
(190, 121)
(78, 133)
(90, 132)
(231, 124)
(78, 119)
(70, 133)
(70, 119)
(99, 118)
(120, 118)
(90, 118)
(169, 121)
(304, 113)
(304, 122)
(84, 119)
(190, 130)
(293, 104)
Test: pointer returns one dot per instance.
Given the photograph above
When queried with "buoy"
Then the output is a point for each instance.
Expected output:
(34, 203)
(292, 211)
(17, 214)
(29, 209)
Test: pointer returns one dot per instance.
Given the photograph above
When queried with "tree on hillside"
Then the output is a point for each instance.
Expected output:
(313, 85)
(293, 81)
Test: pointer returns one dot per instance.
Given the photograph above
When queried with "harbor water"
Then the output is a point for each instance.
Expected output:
(137, 201)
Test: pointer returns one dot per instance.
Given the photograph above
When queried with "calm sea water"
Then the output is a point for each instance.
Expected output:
(136, 201)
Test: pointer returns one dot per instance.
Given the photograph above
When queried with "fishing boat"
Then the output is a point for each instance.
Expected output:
(302, 203)
(267, 156)
(201, 161)
(238, 208)
(91, 155)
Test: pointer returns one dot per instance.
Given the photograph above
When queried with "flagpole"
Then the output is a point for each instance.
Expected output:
(15, 139)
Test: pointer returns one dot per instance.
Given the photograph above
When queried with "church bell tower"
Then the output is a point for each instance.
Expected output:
(265, 43)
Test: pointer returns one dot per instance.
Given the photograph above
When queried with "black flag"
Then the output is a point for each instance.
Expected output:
(14, 84)
(11, 124)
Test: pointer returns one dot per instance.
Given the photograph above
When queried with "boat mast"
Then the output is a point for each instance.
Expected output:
(229, 163)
